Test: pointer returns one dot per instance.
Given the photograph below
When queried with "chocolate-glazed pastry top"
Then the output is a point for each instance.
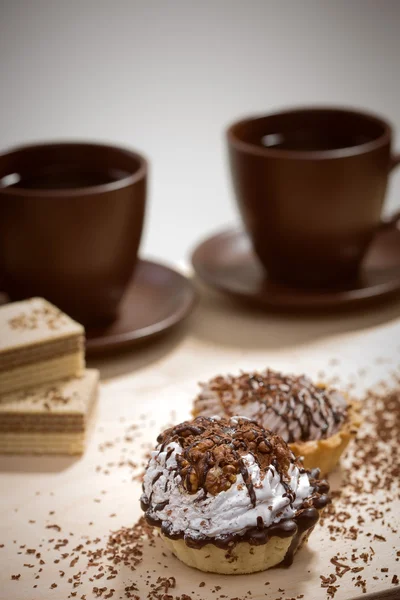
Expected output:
(291, 406)
(221, 481)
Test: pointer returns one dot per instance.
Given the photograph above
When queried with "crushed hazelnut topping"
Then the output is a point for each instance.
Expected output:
(213, 450)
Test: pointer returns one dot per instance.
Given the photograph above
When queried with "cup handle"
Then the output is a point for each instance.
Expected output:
(3, 293)
(395, 218)
(394, 162)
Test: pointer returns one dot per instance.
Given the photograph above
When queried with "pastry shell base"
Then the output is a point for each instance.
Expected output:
(242, 558)
(325, 454)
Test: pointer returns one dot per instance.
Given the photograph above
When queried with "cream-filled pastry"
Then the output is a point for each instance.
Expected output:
(229, 496)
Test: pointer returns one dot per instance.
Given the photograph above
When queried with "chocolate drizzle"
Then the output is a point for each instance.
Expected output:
(156, 477)
(160, 506)
(211, 458)
(247, 480)
(301, 405)
(170, 451)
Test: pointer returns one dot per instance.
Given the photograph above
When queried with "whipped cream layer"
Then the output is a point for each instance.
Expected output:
(291, 406)
(228, 512)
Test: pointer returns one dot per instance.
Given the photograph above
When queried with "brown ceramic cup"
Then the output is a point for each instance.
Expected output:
(71, 219)
(310, 185)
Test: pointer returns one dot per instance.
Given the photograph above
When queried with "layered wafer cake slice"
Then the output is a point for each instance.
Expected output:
(38, 343)
(53, 418)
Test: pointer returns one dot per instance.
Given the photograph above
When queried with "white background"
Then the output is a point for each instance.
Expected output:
(167, 76)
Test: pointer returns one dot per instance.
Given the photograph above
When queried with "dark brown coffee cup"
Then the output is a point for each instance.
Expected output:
(310, 185)
(71, 219)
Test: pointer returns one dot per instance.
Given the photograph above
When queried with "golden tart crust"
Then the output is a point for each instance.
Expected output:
(325, 454)
(243, 557)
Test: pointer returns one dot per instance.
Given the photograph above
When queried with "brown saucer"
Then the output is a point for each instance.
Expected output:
(226, 262)
(157, 299)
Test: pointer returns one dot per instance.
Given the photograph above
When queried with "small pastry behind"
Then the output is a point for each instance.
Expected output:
(316, 421)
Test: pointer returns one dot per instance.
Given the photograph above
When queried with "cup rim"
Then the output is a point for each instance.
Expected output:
(250, 148)
(101, 188)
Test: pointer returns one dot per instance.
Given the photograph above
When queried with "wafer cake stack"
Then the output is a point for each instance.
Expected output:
(47, 397)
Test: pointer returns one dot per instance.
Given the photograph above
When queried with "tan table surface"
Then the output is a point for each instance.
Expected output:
(151, 387)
